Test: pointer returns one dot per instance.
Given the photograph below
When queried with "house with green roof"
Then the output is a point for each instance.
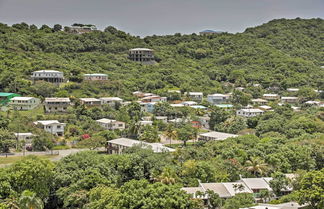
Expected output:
(6, 97)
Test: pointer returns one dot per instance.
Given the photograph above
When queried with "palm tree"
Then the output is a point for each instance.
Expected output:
(170, 133)
(134, 129)
(168, 176)
(29, 200)
(256, 166)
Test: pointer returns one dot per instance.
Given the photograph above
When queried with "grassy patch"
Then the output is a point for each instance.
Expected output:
(12, 159)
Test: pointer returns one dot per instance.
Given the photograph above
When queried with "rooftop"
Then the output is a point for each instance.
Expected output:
(47, 71)
(22, 98)
(156, 147)
(111, 98)
(218, 135)
(218, 188)
(90, 99)
(4, 94)
(57, 99)
(256, 183)
(105, 120)
(141, 49)
(95, 74)
(252, 110)
(47, 122)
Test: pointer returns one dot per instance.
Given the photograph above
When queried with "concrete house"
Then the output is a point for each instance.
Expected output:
(51, 76)
(292, 89)
(109, 124)
(95, 77)
(147, 106)
(270, 96)
(154, 98)
(52, 126)
(142, 55)
(249, 112)
(90, 102)
(27, 137)
(117, 146)
(195, 96)
(56, 104)
(259, 101)
(24, 103)
(111, 101)
(217, 98)
(289, 100)
(214, 135)
(164, 119)
(189, 103)
(204, 121)
(81, 28)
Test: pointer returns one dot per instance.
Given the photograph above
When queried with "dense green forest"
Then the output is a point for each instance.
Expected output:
(282, 53)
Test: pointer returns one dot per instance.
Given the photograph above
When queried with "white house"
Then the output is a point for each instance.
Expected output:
(265, 108)
(259, 101)
(164, 119)
(52, 126)
(112, 101)
(24, 103)
(196, 96)
(217, 98)
(270, 96)
(154, 98)
(215, 136)
(27, 137)
(116, 146)
(147, 106)
(145, 122)
(90, 101)
(189, 103)
(55, 104)
(111, 124)
(95, 77)
(51, 76)
(249, 112)
(292, 89)
(204, 121)
(290, 100)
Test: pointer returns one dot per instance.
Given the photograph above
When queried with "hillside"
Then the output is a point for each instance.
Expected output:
(285, 53)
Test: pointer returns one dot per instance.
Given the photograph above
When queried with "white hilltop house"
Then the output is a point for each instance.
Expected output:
(52, 126)
(116, 146)
(24, 103)
(51, 76)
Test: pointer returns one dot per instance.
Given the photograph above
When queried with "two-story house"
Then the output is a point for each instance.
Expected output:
(52, 126)
(110, 124)
(55, 104)
(51, 76)
(24, 103)
(218, 98)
